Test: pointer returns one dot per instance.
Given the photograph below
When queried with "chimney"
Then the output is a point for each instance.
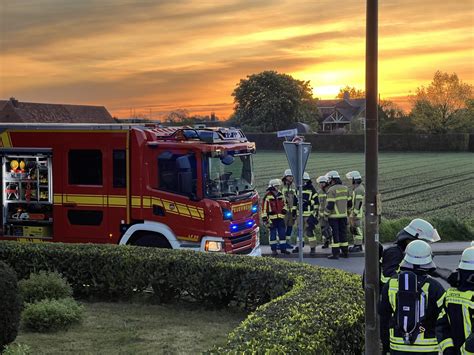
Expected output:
(14, 102)
(347, 95)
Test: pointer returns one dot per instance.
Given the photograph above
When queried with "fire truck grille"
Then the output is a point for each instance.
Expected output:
(241, 238)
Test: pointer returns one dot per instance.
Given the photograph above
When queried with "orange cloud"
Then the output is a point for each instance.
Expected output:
(146, 56)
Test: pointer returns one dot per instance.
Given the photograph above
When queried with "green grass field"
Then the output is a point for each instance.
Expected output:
(418, 184)
(129, 328)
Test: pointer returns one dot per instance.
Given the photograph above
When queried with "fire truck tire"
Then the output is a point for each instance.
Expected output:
(154, 240)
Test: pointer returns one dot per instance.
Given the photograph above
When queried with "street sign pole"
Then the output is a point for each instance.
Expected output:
(372, 210)
(297, 153)
(299, 147)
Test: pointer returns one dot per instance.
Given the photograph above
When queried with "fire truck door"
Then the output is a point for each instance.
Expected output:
(84, 215)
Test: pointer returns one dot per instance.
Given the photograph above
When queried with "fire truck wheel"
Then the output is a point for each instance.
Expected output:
(154, 240)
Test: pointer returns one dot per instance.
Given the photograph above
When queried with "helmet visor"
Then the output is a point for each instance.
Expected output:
(436, 237)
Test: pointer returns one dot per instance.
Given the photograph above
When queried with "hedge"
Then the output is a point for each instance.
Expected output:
(296, 308)
(10, 305)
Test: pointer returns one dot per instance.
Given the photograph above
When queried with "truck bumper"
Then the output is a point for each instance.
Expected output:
(257, 251)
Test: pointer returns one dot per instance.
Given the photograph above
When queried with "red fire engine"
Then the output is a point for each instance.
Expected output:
(169, 187)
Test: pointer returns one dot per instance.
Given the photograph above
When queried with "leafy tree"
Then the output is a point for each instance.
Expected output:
(443, 105)
(353, 92)
(392, 119)
(270, 101)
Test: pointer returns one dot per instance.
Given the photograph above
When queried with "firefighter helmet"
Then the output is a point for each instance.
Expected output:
(467, 259)
(333, 174)
(322, 179)
(418, 252)
(421, 229)
(306, 176)
(274, 183)
(287, 173)
(353, 175)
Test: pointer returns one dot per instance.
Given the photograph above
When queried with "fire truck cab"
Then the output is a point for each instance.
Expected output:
(174, 187)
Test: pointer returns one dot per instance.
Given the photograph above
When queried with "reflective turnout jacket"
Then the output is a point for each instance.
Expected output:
(337, 202)
(426, 341)
(357, 198)
(273, 205)
(455, 321)
(310, 200)
(322, 205)
(290, 197)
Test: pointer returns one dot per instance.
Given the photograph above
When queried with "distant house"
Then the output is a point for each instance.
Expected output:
(343, 113)
(14, 111)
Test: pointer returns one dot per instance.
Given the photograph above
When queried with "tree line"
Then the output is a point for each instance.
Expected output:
(270, 101)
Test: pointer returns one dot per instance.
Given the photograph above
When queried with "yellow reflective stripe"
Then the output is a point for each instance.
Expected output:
(466, 320)
(334, 245)
(117, 201)
(344, 244)
(464, 351)
(273, 242)
(85, 200)
(136, 201)
(441, 314)
(414, 348)
(446, 343)
(58, 199)
(384, 279)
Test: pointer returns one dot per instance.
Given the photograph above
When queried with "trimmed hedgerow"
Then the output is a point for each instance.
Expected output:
(10, 305)
(297, 308)
(44, 285)
(51, 315)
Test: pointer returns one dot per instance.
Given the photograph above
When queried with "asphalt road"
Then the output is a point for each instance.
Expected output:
(357, 264)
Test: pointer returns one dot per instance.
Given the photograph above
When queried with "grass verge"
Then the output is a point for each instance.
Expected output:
(132, 328)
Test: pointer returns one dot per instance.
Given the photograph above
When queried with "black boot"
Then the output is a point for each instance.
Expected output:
(312, 252)
(274, 252)
(325, 245)
(284, 251)
(335, 254)
(296, 250)
(345, 252)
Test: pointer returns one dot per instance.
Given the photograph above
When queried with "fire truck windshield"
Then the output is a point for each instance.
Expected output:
(229, 175)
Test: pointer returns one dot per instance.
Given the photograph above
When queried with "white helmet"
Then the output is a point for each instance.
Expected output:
(306, 176)
(467, 259)
(274, 183)
(333, 174)
(322, 179)
(421, 229)
(418, 252)
(353, 175)
(287, 173)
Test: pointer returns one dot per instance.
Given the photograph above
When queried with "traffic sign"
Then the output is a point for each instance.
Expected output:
(290, 133)
(291, 150)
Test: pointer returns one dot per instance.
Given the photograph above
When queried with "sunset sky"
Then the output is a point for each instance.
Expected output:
(150, 57)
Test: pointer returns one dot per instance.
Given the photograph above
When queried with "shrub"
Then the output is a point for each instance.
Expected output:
(298, 308)
(17, 349)
(44, 285)
(51, 315)
(10, 305)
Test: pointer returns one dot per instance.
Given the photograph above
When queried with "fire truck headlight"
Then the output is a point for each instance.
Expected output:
(213, 246)
(227, 214)
(255, 208)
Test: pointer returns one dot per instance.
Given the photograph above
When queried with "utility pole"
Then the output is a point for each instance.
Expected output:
(372, 206)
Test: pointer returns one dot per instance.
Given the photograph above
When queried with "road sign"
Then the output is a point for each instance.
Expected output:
(291, 150)
(287, 133)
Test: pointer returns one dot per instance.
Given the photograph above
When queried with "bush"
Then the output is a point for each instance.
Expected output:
(298, 308)
(10, 305)
(51, 315)
(44, 285)
(17, 349)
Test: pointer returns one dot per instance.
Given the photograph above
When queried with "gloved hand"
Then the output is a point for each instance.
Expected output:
(312, 221)
(283, 211)
(327, 231)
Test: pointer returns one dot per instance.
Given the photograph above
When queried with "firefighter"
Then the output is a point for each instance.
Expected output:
(411, 303)
(310, 210)
(454, 327)
(356, 212)
(335, 213)
(323, 183)
(273, 214)
(393, 256)
(289, 193)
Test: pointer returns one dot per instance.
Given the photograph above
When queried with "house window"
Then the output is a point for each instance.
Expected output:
(119, 168)
(85, 167)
